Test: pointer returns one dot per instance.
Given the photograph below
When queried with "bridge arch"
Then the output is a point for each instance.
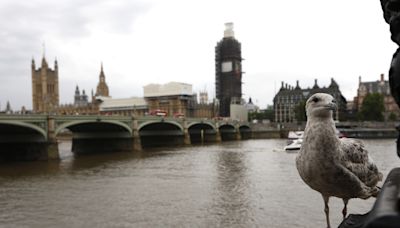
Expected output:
(98, 135)
(227, 131)
(161, 133)
(201, 132)
(245, 131)
(110, 123)
(27, 126)
(244, 126)
(226, 126)
(148, 123)
(205, 124)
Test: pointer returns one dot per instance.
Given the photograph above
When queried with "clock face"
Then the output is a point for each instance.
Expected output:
(226, 66)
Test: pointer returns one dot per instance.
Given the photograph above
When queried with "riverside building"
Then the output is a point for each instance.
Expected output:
(290, 97)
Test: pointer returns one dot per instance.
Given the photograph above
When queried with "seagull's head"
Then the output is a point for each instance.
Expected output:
(320, 105)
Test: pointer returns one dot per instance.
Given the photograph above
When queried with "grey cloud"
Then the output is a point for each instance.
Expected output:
(25, 25)
(115, 16)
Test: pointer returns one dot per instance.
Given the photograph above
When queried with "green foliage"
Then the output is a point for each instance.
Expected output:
(300, 111)
(392, 116)
(266, 114)
(372, 108)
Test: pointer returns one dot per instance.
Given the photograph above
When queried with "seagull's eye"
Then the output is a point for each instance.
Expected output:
(315, 99)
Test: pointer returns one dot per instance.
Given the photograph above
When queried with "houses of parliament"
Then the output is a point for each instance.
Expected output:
(46, 97)
(176, 99)
(173, 98)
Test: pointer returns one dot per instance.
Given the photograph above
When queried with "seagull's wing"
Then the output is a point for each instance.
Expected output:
(356, 159)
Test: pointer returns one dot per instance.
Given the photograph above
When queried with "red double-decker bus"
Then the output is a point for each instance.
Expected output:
(158, 112)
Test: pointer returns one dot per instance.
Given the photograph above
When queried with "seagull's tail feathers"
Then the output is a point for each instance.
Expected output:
(376, 192)
(370, 192)
(376, 189)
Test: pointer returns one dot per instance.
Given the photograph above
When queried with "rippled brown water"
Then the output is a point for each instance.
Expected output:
(234, 184)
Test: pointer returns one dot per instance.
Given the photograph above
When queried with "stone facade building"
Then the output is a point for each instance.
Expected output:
(380, 86)
(45, 92)
(135, 106)
(289, 97)
(228, 71)
(177, 100)
(174, 98)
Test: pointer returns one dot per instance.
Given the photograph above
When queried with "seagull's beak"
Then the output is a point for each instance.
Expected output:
(331, 106)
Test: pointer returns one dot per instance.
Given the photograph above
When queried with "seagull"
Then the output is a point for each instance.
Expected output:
(334, 166)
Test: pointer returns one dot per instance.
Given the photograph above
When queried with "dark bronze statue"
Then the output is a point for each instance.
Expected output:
(386, 210)
(391, 13)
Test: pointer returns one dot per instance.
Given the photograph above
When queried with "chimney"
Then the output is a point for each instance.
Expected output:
(359, 79)
(382, 77)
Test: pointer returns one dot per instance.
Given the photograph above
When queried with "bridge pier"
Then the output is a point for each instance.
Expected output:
(186, 134)
(137, 143)
(52, 144)
(217, 133)
(238, 135)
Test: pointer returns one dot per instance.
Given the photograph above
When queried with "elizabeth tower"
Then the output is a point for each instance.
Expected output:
(228, 71)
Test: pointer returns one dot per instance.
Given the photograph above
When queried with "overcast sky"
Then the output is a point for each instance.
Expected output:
(158, 41)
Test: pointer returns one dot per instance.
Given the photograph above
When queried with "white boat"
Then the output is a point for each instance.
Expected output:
(294, 145)
(295, 135)
(295, 138)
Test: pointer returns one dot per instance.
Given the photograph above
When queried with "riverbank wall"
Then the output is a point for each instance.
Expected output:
(366, 130)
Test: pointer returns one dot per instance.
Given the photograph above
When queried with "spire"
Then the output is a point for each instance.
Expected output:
(33, 63)
(55, 63)
(333, 84)
(44, 50)
(102, 76)
(315, 84)
(44, 63)
(8, 108)
(297, 85)
(77, 93)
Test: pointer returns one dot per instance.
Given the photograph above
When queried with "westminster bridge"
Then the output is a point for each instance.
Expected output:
(34, 137)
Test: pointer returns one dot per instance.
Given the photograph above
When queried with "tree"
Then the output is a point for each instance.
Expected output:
(392, 116)
(266, 114)
(300, 111)
(372, 107)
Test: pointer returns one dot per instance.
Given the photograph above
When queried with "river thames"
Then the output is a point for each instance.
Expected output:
(251, 183)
